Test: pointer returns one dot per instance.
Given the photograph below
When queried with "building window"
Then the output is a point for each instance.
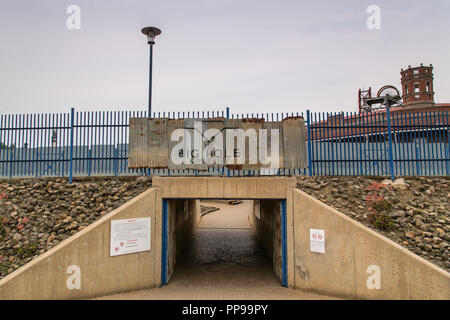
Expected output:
(406, 89)
(416, 71)
(416, 87)
(428, 86)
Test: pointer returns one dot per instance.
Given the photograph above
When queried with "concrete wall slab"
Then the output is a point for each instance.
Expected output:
(88, 251)
(356, 257)
(224, 188)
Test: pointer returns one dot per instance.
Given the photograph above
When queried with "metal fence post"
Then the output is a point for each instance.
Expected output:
(228, 117)
(391, 157)
(72, 116)
(447, 157)
(115, 161)
(308, 122)
(89, 164)
(418, 163)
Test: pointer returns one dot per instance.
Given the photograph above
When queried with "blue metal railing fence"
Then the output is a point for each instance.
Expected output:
(388, 143)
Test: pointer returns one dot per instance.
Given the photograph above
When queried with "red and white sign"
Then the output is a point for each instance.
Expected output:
(317, 240)
(130, 236)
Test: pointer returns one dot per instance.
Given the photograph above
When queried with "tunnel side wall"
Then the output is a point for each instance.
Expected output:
(183, 219)
(87, 254)
(265, 219)
(358, 262)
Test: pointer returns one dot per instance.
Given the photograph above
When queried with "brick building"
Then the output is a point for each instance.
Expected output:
(417, 117)
(417, 87)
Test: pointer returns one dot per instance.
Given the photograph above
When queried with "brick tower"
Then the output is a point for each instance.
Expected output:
(417, 87)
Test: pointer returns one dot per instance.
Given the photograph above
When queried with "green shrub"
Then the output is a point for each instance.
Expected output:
(379, 208)
(381, 220)
(26, 251)
(382, 205)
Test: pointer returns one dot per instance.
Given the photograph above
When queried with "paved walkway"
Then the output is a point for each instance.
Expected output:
(228, 217)
(224, 261)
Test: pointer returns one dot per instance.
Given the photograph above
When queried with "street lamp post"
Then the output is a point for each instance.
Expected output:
(151, 33)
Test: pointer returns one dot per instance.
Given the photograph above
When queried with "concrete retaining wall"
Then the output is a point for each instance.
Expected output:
(224, 188)
(265, 219)
(358, 262)
(183, 219)
(87, 255)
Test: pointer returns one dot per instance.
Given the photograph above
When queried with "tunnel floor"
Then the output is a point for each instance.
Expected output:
(224, 258)
(223, 261)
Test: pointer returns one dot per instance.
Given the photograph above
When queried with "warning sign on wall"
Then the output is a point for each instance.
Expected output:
(317, 240)
(130, 236)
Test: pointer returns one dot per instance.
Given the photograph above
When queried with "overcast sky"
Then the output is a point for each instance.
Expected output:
(250, 55)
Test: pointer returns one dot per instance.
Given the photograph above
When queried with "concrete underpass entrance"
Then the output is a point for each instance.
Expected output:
(221, 262)
(242, 245)
(269, 216)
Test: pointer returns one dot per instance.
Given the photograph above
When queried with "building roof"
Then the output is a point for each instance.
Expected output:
(338, 126)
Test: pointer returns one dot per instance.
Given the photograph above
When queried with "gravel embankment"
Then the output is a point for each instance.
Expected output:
(37, 214)
(420, 209)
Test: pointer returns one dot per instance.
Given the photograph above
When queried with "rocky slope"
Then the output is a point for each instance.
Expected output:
(37, 214)
(420, 209)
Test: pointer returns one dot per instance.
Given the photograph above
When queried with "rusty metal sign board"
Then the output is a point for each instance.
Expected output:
(239, 144)
(273, 141)
(293, 142)
(148, 135)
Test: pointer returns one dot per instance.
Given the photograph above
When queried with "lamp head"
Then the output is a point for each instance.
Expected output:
(151, 33)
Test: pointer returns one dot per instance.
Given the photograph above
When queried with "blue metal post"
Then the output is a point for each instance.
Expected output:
(308, 122)
(164, 244)
(89, 164)
(283, 243)
(418, 163)
(447, 158)
(115, 161)
(391, 157)
(72, 113)
(228, 117)
(447, 152)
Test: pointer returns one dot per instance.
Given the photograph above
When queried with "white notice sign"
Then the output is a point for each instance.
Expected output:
(317, 240)
(130, 236)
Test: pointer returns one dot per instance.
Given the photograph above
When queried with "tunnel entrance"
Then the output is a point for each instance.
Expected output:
(243, 244)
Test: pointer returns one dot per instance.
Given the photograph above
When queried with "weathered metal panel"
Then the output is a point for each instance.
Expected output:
(214, 142)
(138, 143)
(174, 154)
(194, 143)
(278, 130)
(230, 159)
(251, 153)
(294, 143)
(279, 145)
(148, 143)
(157, 142)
